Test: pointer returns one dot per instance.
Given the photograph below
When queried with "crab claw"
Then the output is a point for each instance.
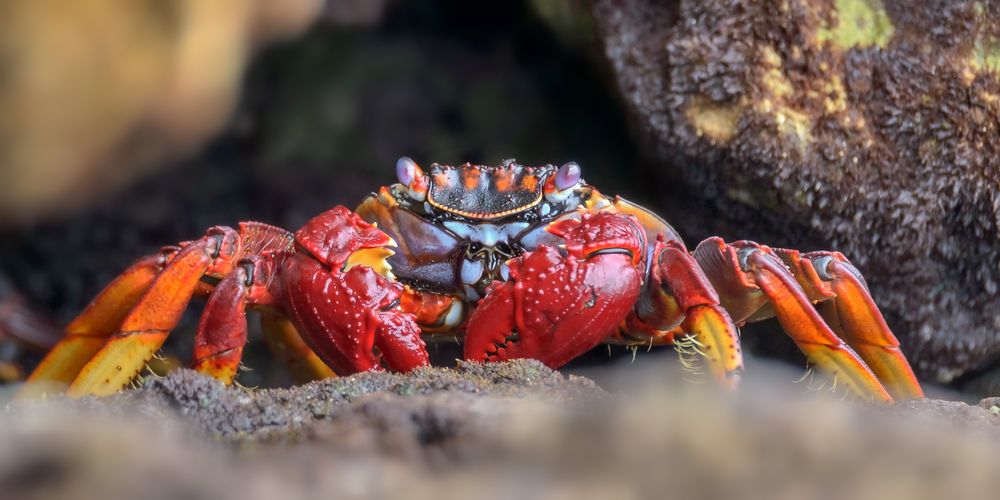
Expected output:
(336, 236)
(338, 295)
(556, 306)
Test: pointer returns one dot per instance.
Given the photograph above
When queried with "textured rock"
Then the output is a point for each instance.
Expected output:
(868, 127)
(493, 431)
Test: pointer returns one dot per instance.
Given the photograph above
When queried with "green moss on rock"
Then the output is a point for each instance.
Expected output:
(858, 23)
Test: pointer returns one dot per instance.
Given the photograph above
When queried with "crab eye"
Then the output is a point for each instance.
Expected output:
(406, 170)
(567, 176)
(410, 175)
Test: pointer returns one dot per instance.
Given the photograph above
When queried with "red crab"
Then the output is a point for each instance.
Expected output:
(525, 262)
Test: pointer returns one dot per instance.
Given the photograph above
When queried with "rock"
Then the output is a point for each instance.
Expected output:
(434, 397)
(868, 127)
(506, 430)
(98, 95)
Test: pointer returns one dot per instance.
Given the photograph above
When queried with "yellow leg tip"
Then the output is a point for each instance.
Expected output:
(116, 364)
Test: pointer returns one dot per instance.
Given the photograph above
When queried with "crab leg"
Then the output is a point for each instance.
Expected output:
(287, 345)
(222, 331)
(146, 326)
(751, 275)
(853, 315)
(88, 332)
(714, 334)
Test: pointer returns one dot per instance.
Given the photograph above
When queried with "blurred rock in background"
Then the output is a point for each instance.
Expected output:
(97, 93)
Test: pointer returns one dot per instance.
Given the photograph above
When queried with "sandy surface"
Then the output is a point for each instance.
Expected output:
(515, 429)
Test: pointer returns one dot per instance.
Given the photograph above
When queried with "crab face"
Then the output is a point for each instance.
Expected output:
(458, 226)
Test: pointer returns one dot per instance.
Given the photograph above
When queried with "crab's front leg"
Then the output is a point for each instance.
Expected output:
(681, 300)
(559, 304)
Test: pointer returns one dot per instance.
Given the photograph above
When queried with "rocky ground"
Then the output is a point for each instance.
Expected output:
(494, 431)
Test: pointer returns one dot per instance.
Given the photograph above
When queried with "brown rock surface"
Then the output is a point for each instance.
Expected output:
(493, 431)
(864, 126)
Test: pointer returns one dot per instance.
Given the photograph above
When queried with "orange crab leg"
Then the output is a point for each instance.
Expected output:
(754, 284)
(842, 298)
(287, 345)
(857, 319)
(805, 326)
(146, 326)
(87, 333)
(713, 331)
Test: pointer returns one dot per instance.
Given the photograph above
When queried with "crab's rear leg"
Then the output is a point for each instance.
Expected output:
(147, 325)
(754, 283)
(90, 330)
(102, 353)
(848, 308)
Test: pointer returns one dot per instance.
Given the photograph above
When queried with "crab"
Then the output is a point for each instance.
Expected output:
(519, 261)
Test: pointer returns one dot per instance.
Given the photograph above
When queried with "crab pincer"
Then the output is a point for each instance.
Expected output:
(559, 304)
(339, 293)
(327, 289)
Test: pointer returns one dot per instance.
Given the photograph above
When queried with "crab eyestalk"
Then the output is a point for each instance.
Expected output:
(411, 176)
(561, 185)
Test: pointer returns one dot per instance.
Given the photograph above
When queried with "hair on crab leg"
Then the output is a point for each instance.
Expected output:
(245, 387)
(808, 374)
